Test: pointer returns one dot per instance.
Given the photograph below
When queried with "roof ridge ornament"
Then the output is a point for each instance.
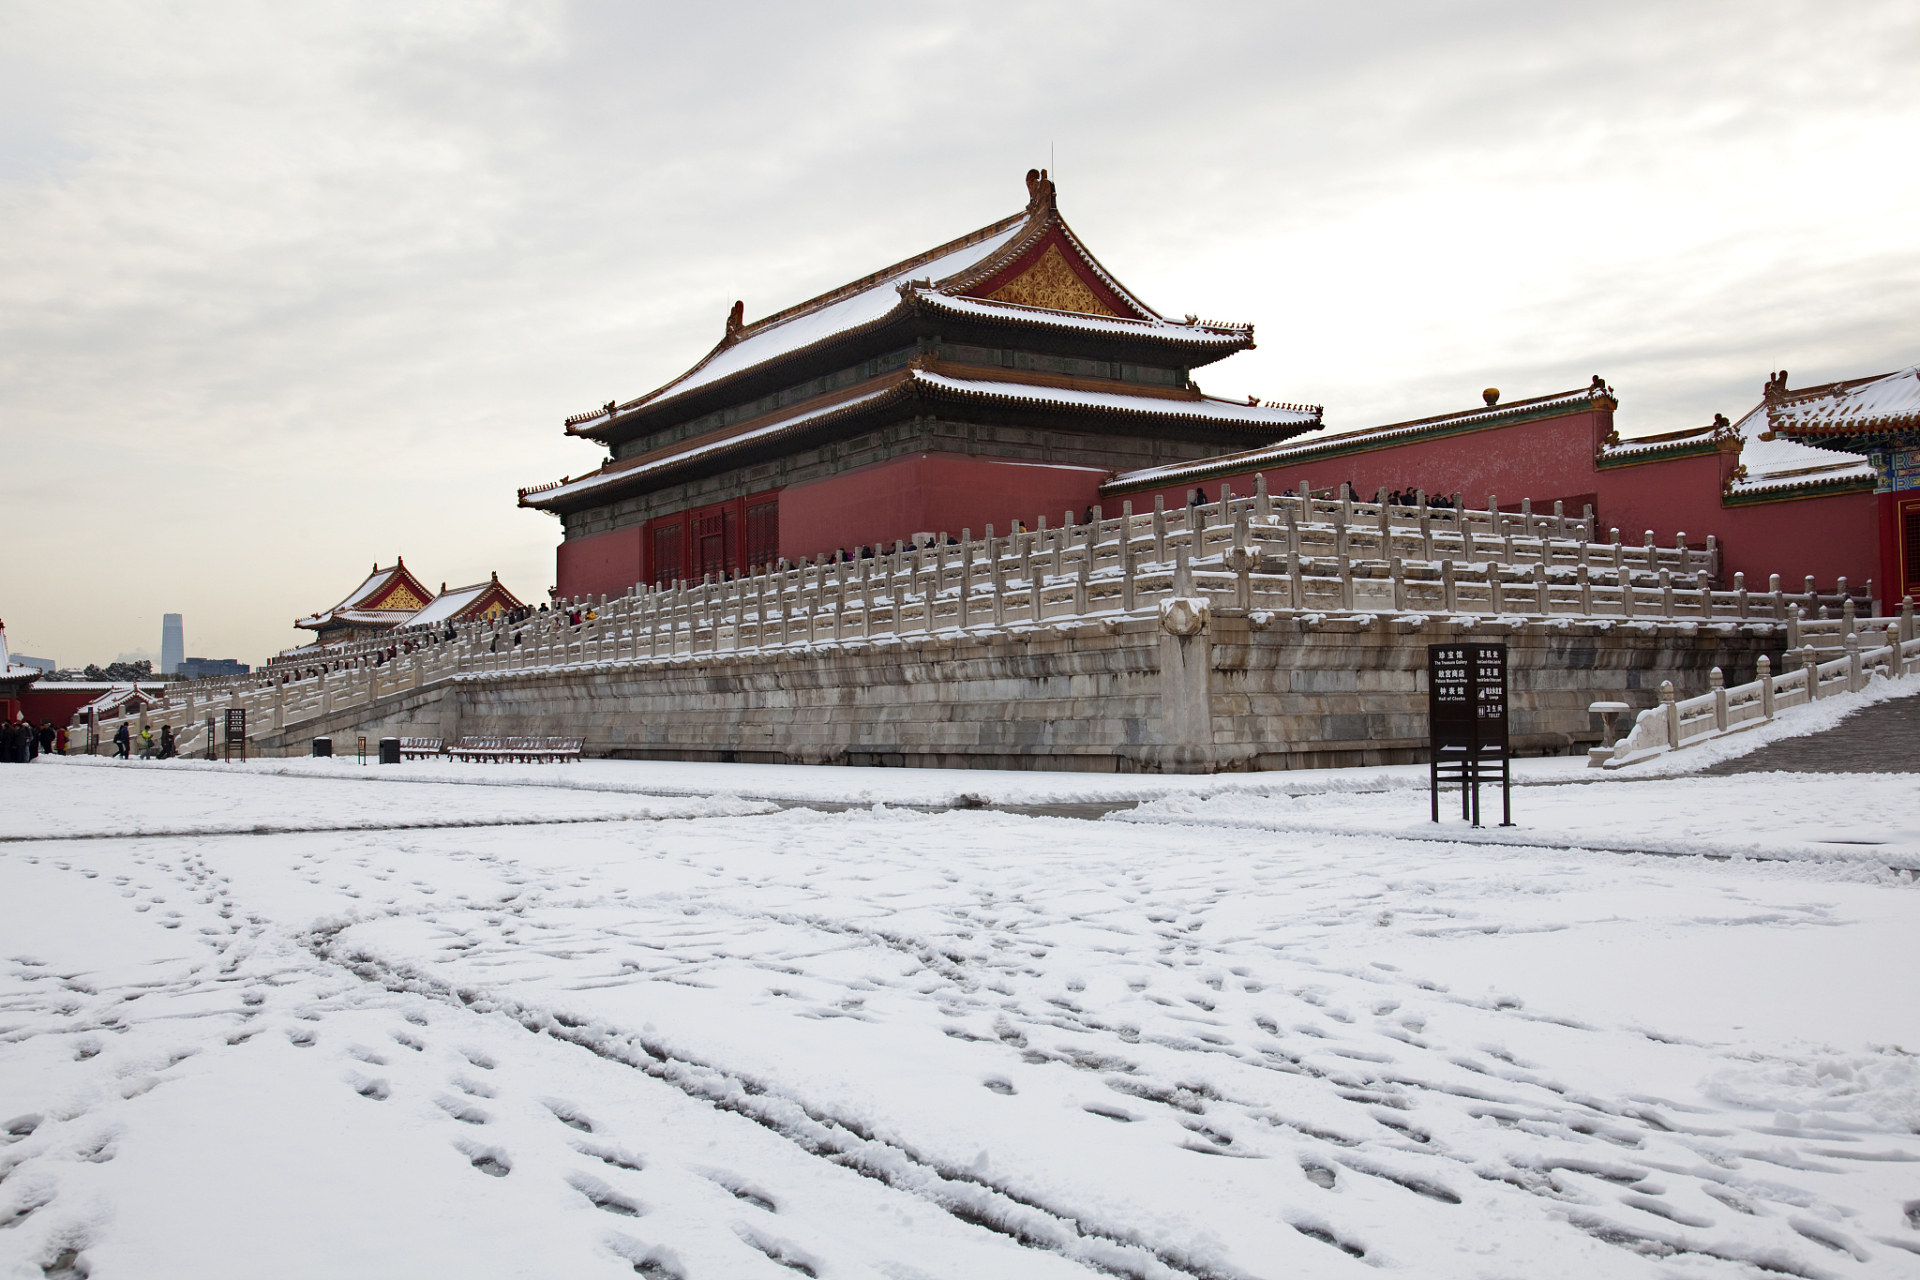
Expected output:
(736, 324)
(1039, 190)
(1776, 385)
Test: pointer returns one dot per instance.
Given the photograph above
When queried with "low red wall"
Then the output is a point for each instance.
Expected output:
(1543, 460)
(1837, 536)
(928, 493)
(1829, 537)
(604, 564)
(43, 701)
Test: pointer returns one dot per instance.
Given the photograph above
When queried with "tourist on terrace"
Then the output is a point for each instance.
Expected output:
(168, 750)
(47, 736)
(146, 742)
(121, 741)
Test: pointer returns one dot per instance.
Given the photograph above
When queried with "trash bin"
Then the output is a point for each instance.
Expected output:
(389, 751)
(323, 746)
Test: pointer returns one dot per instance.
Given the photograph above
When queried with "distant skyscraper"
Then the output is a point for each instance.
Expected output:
(173, 646)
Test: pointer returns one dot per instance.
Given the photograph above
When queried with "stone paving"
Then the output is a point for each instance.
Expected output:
(1884, 738)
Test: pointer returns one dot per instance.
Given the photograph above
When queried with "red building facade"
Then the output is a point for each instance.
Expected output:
(1775, 506)
(1002, 375)
(1007, 376)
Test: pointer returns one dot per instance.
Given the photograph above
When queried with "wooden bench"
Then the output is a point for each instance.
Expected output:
(422, 748)
(518, 750)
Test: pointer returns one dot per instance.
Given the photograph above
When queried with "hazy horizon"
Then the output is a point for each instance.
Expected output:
(292, 290)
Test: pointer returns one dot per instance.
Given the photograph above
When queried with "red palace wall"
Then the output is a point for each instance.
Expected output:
(1541, 460)
(1851, 535)
(604, 564)
(48, 701)
(1828, 537)
(928, 493)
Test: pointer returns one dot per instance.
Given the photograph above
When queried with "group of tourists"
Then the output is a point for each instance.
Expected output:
(21, 743)
(1411, 498)
(380, 657)
(160, 746)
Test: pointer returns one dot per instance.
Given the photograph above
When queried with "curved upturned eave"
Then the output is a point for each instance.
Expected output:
(1212, 342)
(617, 480)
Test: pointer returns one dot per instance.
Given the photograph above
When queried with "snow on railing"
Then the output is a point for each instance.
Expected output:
(1681, 722)
(273, 706)
(1298, 554)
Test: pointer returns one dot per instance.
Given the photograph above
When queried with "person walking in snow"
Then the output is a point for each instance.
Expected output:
(121, 741)
(146, 742)
(167, 748)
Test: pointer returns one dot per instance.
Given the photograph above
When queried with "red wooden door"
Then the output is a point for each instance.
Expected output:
(666, 554)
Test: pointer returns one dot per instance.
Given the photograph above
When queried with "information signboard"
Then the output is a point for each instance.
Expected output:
(1467, 725)
(236, 733)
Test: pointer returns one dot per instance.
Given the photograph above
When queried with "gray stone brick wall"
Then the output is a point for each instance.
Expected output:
(1098, 695)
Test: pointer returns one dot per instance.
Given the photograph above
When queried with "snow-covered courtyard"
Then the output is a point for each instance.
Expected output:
(309, 1018)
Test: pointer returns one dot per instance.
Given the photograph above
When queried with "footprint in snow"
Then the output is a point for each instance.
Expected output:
(491, 1161)
(618, 1157)
(376, 1089)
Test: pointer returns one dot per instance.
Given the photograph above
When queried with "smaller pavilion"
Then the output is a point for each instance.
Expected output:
(384, 601)
(392, 599)
(460, 605)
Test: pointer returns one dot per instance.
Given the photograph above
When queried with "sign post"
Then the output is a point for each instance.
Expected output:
(1467, 725)
(236, 733)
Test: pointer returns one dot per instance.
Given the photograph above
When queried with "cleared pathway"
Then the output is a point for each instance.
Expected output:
(1884, 738)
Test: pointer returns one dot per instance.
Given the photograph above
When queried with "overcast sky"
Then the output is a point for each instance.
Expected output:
(286, 289)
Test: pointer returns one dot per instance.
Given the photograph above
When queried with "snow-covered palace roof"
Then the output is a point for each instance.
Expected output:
(1855, 413)
(387, 596)
(923, 381)
(1774, 467)
(1026, 270)
(862, 354)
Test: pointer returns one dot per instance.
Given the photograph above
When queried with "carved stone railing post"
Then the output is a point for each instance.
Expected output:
(1186, 663)
(1000, 584)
